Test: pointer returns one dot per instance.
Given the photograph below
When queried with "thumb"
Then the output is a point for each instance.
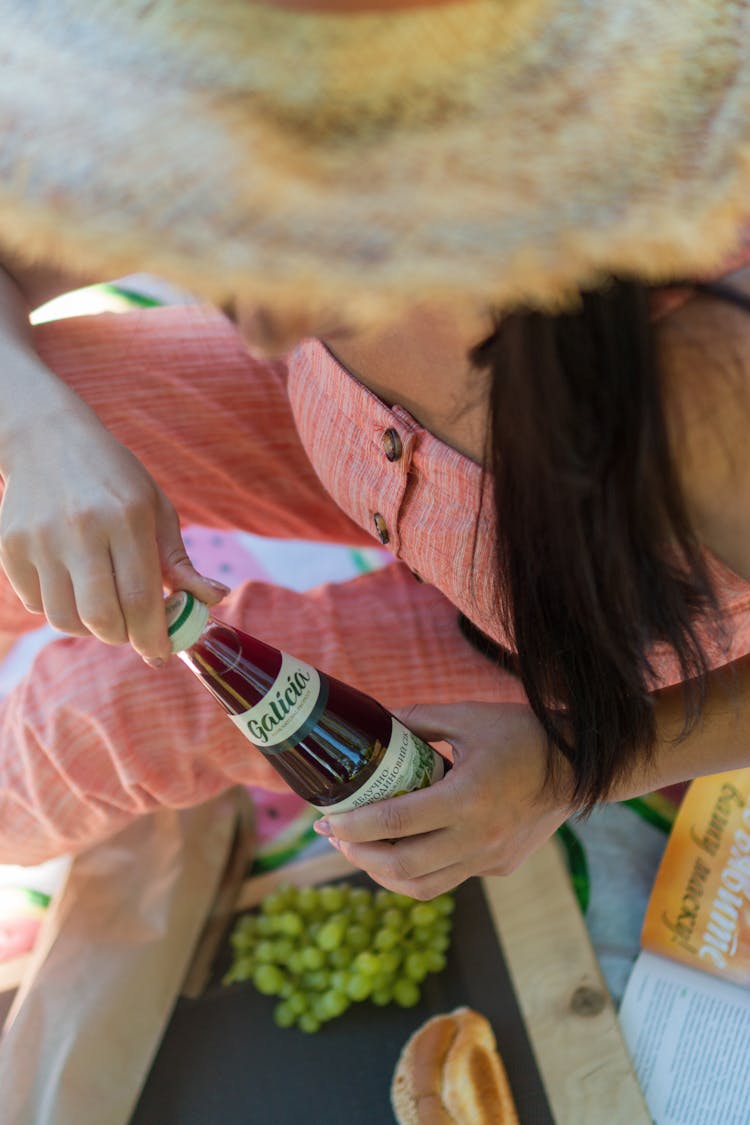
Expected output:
(178, 571)
(435, 722)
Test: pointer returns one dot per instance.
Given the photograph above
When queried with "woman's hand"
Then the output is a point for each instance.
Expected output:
(488, 814)
(86, 535)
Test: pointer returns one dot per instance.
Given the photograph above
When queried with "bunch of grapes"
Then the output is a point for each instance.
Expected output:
(320, 949)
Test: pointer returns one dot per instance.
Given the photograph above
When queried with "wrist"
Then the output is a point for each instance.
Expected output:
(32, 401)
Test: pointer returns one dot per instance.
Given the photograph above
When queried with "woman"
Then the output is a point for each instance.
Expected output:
(599, 537)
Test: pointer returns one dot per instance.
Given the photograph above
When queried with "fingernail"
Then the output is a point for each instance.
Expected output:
(322, 827)
(156, 662)
(334, 843)
(222, 589)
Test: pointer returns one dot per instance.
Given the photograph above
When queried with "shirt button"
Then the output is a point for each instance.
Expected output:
(381, 527)
(392, 445)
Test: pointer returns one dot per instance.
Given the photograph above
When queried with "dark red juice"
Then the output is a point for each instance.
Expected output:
(342, 748)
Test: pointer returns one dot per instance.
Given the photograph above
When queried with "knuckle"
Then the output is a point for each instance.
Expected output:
(134, 601)
(505, 865)
(422, 894)
(14, 542)
(177, 556)
(400, 870)
(391, 820)
(67, 623)
(135, 509)
(105, 624)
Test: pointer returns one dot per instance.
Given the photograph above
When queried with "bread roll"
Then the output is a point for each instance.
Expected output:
(449, 1073)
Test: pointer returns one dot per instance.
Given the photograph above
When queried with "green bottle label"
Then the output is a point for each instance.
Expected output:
(407, 764)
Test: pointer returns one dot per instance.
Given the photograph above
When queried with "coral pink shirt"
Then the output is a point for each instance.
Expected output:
(422, 498)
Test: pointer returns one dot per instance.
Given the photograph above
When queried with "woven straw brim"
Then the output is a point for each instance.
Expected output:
(508, 150)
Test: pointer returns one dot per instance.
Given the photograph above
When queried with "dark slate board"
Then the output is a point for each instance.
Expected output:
(223, 1061)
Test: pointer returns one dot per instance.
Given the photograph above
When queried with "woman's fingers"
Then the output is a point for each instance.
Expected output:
(399, 871)
(437, 722)
(24, 579)
(410, 814)
(58, 599)
(177, 570)
(139, 590)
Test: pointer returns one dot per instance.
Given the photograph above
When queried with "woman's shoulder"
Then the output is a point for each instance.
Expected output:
(704, 353)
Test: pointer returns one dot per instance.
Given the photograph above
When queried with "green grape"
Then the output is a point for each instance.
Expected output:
(360, 896)
(245, 966)
(308, 900)
(243, 934)
(319, 1008)
(235, 975)
(381, 980)
(334, 1003)
(246, 924)
(357, 936)
(268, 979)
(265, 952)
(312, 957)
(332, 898)
(406, 993)
(283, 1015)
(330, 935)
(359, 987)
(390, 961)
(283, 948)
(365, 915)
(415, 967)
(290, 924)
(295, 962)
(424, 914)
(340, 958)
(321, 948)
(316, 980)
(393, 919)
(367, 963)
(386, 939)
(274, 902)
(445, 904)
(434, 960)
(340, 980)
(298, 1002)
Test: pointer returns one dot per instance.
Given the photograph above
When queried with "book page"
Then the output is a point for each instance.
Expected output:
(689, 1038)
(699, 909)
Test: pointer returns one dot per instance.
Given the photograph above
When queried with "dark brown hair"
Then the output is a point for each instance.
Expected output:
(595, 550)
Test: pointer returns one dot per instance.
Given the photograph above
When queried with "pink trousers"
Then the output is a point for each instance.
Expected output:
(93, 737)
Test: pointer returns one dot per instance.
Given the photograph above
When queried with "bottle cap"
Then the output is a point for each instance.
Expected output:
(186, 619)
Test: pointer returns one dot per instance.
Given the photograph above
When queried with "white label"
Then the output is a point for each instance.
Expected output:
(408, 763)
(285, 707)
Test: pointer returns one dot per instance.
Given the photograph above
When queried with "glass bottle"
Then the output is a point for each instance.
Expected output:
(333, 745)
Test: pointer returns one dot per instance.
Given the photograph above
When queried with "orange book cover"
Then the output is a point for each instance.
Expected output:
(699, 909)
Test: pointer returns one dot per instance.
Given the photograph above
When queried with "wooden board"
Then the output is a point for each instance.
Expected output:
(567, 1010)
(223, 1059)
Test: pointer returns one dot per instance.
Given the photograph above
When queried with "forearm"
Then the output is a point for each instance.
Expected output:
(719, 741)
(31, 395)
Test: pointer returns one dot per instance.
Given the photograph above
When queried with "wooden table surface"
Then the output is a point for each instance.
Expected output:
(569, 1015)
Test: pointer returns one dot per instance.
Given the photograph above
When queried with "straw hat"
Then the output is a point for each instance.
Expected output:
(511, 150)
